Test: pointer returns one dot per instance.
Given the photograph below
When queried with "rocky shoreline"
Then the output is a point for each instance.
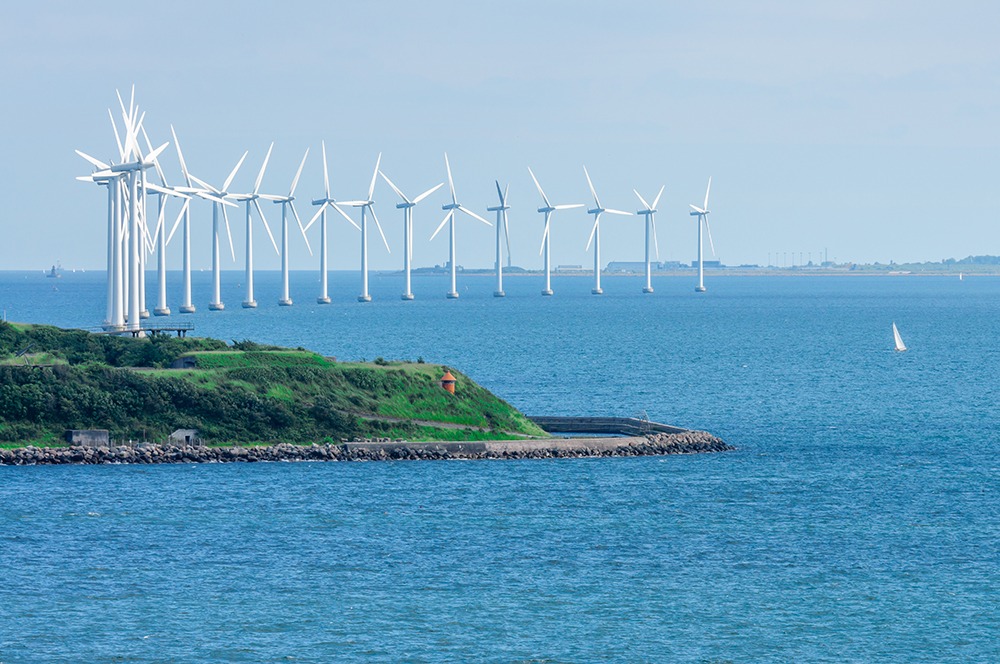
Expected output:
(689, 442)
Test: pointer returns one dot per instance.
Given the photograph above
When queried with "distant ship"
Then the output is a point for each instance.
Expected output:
(55, 272)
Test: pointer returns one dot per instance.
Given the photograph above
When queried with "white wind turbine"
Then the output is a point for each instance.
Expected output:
(702, 214)
(649, 212)
(160, 234)
(324, 203)
(187, 305)
(501, 211)
(367, 206)
(545, 250)
(595, 232)
(450, 219)
(216, 304)
(286, 202)
(407, 206)
(253, 198)
(114, 316)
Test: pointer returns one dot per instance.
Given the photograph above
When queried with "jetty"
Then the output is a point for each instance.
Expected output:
(605, 426)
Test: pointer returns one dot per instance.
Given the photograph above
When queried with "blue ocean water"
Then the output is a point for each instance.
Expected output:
(858, 520)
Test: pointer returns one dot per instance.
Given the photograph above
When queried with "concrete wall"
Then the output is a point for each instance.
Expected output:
(88, 437)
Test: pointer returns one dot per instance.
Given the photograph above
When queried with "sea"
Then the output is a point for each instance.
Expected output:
(858, 519)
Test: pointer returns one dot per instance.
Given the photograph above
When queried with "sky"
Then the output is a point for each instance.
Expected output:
(866, 129)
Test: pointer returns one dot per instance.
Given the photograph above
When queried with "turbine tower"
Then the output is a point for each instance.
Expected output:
(649, 212)
(407, 206)
(367, 205)
(254, 199)
(286, 202)
(216, 304)
(450, 217)
(324, 203)
(702, 214)
(595, 232)
(501, 211)
(545, 250)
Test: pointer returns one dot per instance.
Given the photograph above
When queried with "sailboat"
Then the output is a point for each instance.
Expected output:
(900, 346)
(960, 277)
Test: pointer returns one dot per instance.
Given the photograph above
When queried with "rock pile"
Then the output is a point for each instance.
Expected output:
(689, 442)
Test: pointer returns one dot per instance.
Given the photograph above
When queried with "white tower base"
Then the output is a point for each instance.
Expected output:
(187, 309)
(216, 306)
(285, 302)
(647, 289)
(250, 304)
(699, 289)
(364, 298)
(144, 313)
(453, 295)
(499, 293)
(547, 291)
(322, 300)
(597, 291)
(407, 296)
(161, 311)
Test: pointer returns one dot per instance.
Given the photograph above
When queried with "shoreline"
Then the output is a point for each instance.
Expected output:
(688, 442)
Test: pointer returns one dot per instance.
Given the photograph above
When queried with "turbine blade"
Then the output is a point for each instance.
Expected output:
(302, 230)
(326, 173)
(379, 227)
(256, 204)
(696, 208)
(206, 185)
(229, 233)
(316, 216)
(118, 141)
(451, 182)
(642, 200)
(180, 157)
(232, 174)
(709, 229)
(394, 187)
(156, 163)
(499, 191)
(345, 215)
(569, 207)
(618, 212)
(597, 220)
(539, 187)
(96, 162)
(371, 187)
(263, 167)
(428, 193)
(591, 185)
(473, 214)
(151, 157)
(506, 232)
(545, 234)
(443, 222)
(657, 199)
(656, 245)
(506, 190)
(184, 208)
(298, 173)
(707, 189)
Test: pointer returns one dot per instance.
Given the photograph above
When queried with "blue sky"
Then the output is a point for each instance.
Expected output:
(868, 128)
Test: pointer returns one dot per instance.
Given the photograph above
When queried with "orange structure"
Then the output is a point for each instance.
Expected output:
(448, 381)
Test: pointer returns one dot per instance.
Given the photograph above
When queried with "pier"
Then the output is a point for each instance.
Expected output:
(610, 426)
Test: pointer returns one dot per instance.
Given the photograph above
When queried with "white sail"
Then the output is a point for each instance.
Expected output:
(900, 346)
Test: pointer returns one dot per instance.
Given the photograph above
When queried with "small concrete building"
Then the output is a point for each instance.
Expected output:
(88, 437)
(185, 437)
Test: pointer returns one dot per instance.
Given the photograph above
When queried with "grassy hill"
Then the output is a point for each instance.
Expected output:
(53, 379)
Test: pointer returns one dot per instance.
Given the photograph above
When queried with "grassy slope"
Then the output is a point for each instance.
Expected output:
(243, 393)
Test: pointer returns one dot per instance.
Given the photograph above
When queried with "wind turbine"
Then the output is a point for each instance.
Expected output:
(160, 234)
(547, 210)
(324, 203)
(286, 202)
(407, 206)
(450, 217)
(649, 212)
(702, 214)
(501, 211)
(216, 304)
(595, 232)
(187, 306)
(253, 198)
(368, 205)
(113, 316)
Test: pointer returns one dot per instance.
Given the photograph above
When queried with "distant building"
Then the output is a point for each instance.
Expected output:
(88, 437)
(185, 437)
(569, 268)
(694, 263)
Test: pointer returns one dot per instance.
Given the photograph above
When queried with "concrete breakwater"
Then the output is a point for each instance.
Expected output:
(689, 442)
